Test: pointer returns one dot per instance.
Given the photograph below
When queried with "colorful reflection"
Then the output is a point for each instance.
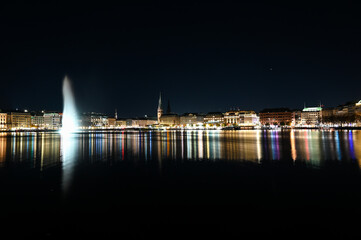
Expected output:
(35, 150)
(293, 145)
(357, 145)
(312, 147)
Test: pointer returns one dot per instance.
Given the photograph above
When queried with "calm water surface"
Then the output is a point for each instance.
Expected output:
(312, 147)
(310, 173)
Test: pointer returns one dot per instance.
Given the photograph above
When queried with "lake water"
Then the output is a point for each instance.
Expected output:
(310, 147)
(181, 177)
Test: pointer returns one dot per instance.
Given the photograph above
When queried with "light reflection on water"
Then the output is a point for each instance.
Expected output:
(68, 157)
(312, 147)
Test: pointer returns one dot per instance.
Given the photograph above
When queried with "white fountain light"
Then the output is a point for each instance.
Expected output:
(70, 120)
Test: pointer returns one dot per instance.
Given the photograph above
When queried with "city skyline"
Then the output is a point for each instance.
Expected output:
(70, 120)
(155, 113)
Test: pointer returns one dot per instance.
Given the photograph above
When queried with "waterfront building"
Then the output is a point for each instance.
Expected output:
(94, 120)
(170, 119)
(276, 116)
(348, 109)
(129, 122)
(342, 110)
(111, 122)
(358, 108)
(37, 120)
(18, 120)
(358, 113)
(232, 117)
(328, 112)
(159, 109)
(311, 116)
(190, 119)
(329, 115)
(142, 122)
(296, 117)
(3, 120)
(121, 123)
(241, 118)
(250, 118)
(346, 114)
(214, 118)
(52, 120)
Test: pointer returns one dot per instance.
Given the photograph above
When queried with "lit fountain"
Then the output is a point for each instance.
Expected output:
(70, 120)
(68, 139)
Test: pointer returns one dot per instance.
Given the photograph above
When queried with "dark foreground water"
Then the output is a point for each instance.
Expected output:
(182, 184)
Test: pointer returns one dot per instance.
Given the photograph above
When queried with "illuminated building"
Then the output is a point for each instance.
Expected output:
(160, 109)
(111, 122)
(329, 115)
(170, 119)
(250, 118)
(346, 114)
(311, 116)
(214, 118)
(37, 120)
(276, 116)
(19, 120)
(346, 109)
(52, 120)
(141, 122)
(349, 108)
(120, 123)
(191, 119)
(328, 112)
(232, 118)
(3, 120)
(358, 108)
(242, 118)
(296, 117)
(92, 119)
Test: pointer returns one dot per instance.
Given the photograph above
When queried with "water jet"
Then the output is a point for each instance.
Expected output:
(70, 119)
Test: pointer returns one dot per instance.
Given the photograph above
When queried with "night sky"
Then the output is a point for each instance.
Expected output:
(203, 57)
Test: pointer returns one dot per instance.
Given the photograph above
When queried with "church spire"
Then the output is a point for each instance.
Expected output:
(160, 109)
(160, 101)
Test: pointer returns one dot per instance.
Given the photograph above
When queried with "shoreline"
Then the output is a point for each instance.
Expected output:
(181, 129)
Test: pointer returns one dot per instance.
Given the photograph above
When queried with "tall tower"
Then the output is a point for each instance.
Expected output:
(116, 114)
(160, 109)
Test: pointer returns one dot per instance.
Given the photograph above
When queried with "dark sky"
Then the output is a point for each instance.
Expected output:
(203, 57)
